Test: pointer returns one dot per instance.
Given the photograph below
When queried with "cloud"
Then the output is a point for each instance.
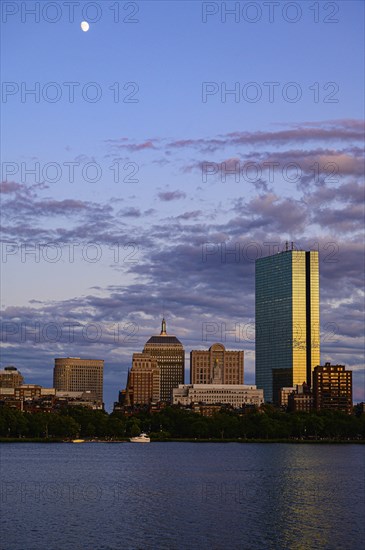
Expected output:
(167, 196)
(269, 210)
(327, 131)
(193, 215)
(7, 187)
(126, 144)
(130, 212)
(198, 264)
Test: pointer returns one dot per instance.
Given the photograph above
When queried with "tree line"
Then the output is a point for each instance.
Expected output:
(177, 423)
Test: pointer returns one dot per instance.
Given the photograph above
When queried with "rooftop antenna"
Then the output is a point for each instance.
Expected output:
(286, 246)
(292, 245)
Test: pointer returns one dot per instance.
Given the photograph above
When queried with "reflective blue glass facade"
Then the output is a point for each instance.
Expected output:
(287, 320)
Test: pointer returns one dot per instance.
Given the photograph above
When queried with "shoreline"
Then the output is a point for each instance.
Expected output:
(190, 440)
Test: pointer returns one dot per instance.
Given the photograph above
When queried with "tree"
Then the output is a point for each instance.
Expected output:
(38, 424)
(225, 425)
(116, 426)
(199, 429)
(62, 426)
(13, 423)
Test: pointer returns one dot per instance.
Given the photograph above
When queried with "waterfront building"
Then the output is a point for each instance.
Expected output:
(21, 396)
(10, 377)
(80, 375)
(216, 366)
(33, 398)
(332, 388)
(213, 394)
(287, 320)
(169, 354)
(78, 399)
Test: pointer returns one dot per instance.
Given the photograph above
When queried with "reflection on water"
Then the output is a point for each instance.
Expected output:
(182, 495)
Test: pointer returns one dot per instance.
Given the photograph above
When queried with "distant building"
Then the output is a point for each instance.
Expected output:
(10, 377)
(303, 402)
(287, 320)
(284, 395)
(298, 397)
(218, 394)
(332, 388)
(33, 398)
(120, 404)
(210, 410)
(169, 353)
(207, 410)
(216, 366)
(144, 381)
(80, 375)
(78, 398)
(20, 397)
(27, 391)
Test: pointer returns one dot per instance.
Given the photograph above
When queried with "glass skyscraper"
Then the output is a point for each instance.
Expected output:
(287, 320)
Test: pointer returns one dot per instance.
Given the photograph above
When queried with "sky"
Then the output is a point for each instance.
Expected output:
(147, 163)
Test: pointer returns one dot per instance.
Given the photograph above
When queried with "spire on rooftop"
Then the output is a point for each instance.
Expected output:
(163, 328)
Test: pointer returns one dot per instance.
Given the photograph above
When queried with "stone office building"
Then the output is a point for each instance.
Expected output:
(169, 353)
(216, 366)
(143, 384)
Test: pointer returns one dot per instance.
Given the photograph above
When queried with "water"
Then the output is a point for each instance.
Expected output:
(182, 496)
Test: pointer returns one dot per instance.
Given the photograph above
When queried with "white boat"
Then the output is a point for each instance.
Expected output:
(142, 438)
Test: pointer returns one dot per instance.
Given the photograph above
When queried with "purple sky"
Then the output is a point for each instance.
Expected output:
(155, 145)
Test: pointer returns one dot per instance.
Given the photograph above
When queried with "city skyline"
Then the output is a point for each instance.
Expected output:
(145, 177)
(236, 331)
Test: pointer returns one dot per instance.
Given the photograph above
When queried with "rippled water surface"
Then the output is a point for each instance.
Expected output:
(182, 496)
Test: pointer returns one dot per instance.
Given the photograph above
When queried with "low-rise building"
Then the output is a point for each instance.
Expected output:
(303, 402)
(78, 398)
(297, 398)
(32, 398)
(218, 394)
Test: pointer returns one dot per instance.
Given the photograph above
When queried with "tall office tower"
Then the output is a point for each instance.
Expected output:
(332, 388)
(10, 377)
(216, 366)
(170, 355)
(75, 374)
(287, 320)
(143, 384)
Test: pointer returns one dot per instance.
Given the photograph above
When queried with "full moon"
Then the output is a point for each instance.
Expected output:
(85, 26)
